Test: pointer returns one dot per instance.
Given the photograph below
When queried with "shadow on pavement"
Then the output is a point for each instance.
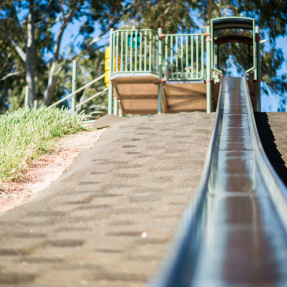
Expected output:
(268, 141)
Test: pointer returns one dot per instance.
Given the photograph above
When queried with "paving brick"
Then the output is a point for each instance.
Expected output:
(109, 220)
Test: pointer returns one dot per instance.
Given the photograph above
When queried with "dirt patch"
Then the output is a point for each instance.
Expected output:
(44, 171)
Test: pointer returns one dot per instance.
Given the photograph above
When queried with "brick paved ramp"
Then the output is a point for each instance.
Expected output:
(110, 218)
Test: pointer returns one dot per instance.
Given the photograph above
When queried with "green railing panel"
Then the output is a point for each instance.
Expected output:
(184, 57)
(134, 51)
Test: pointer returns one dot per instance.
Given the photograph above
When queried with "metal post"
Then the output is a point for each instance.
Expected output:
(35, 105)
(110, 92)
(249, 56)
(159, 101)
(74, 85)
(218, 67)
(116, 106)
(208, 70)
(110, 98)
(27, 95)
(258, 98)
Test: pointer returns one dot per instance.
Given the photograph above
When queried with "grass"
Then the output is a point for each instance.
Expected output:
(26, 134)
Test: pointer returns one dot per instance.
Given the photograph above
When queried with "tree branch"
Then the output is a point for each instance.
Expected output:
(67, 20)
(19, 50)
(162, 17)
(10, 75)
(216, 7)
(111, 24)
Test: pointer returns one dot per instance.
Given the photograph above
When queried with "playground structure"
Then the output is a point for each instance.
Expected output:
(152, 72)
(149, 72)
(233, 233)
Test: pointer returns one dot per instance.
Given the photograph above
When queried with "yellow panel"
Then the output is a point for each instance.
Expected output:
(107, 66)
(107, 53)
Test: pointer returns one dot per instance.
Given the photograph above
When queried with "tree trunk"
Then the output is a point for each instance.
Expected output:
(48, 94)
(209, 11)
(30, 77)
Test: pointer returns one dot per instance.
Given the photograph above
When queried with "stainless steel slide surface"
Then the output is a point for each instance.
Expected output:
(234, 232)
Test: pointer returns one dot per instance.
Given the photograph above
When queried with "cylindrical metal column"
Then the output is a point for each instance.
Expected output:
(116, 106)
(110, 92)
(258, 94)
(208, 70)
(74, 85)
(110, 98)
(27, 95)
(159, 102)
(218, 58)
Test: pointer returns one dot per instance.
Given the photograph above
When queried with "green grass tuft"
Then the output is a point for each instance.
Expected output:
(26, 134)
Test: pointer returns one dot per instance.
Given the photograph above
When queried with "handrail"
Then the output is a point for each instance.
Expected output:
(75, 92)
(217, 71)
(92, 97)
(249, 70)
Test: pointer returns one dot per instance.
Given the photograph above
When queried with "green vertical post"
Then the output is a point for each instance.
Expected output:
(202, 59)
(140, 60)
(145, 50)
(166, 57)
(192, 55)
(35, 105)
(117, 51)
(218, 66)
(131, 52)
(110, 90)
(122, 49)
(110, 98)
(74, 85)
(171, 57)
(127, 51)
(116, 106)
(186, 57)
(197, 62)
(27, 95)
(150, 43)
(160, 52)
(136, 50)
(176, 59)
(208, 70)
(258, 100)
(181, 55)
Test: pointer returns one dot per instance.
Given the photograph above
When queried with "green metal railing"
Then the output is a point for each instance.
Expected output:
(184, 56)
(79, 90)
(254, 63)
(134, 51)
(137, 51)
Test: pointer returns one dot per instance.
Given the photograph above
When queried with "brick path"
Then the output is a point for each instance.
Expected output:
(111, 217)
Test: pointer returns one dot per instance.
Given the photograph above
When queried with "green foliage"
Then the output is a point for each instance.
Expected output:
(171, 16)
(50, 19)
(26, 134)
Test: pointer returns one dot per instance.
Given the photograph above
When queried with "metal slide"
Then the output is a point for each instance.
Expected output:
(234, 231)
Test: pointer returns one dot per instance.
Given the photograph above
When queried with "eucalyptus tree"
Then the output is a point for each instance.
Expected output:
(35, 29)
